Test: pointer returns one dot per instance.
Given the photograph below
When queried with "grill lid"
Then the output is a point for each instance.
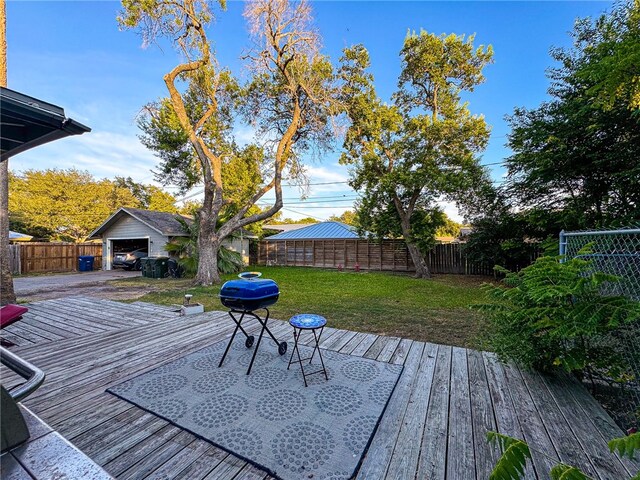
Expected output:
(249, 289)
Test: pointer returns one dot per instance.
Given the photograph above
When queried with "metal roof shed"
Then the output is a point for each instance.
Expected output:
(318, 231)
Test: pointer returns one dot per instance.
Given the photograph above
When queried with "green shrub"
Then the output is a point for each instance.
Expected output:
(185, 249)
(229, 261)
(515, 454)
(553, 313)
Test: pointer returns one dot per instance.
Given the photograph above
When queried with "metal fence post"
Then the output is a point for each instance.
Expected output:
(563, 245)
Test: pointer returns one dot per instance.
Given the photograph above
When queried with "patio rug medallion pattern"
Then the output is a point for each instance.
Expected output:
(269, 418)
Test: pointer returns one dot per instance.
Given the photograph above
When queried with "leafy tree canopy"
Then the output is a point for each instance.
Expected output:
(574, 157)
(421, 148)
(69, 204)
(349, 218)
(608, 51)
(450, 228)
(289, 99)
(149, 197)
(576, 160)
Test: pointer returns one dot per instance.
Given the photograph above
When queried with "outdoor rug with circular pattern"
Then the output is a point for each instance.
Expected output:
(269, 418)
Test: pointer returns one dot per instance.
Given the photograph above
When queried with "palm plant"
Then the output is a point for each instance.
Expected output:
(186, 250)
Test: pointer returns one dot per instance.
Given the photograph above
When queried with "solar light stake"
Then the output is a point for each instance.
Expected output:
(187, 299)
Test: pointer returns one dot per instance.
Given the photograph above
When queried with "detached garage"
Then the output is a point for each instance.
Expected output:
(133, 229)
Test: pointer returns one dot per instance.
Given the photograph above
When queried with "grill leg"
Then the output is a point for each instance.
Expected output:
(295, 346)
(264, 324)
(255, 352)
(238, 327)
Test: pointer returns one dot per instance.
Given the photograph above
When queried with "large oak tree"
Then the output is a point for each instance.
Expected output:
(288, 99)
(422, 147)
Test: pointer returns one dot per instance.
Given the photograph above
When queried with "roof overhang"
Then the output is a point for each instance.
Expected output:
(121, 212)
(26, 122)
(109, 222)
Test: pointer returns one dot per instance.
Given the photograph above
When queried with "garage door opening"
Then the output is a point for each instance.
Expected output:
(126, 253)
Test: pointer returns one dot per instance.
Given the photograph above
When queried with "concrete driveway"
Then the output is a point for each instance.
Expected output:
(43, 287)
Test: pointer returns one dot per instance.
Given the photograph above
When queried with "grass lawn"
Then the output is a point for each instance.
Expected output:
(384, 303)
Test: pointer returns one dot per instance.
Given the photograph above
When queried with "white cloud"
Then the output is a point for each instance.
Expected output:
(244, 135)
(104, 154)
(452, 211)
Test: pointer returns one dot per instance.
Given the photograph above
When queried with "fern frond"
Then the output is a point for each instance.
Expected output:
(567, 472)
(514, 457)
(626, 445)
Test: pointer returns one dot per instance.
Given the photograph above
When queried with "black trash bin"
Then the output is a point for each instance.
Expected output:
(175, 269)
(147, 267)
(155, 267)
(160, 267)
(85, 263)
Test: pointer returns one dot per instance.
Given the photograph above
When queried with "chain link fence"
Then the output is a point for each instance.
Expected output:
(615, 252)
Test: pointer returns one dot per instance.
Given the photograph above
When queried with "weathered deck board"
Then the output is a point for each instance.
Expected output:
(434, 426)
(407, 451)
(433, 456)
(460, 454)
(376, 462)
(481, 415)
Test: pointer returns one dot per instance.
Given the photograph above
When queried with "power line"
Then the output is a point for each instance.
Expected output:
(336, 196)
(312, 184)
(191, 195)
(300, 213)
(491, 164)
(327, 206)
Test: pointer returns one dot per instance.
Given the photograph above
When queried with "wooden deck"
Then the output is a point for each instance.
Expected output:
(434, 427)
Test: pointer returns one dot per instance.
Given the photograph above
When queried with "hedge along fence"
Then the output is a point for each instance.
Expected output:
(389, 255)
(33, 257)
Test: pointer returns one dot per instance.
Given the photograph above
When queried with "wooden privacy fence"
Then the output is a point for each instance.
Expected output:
(31, 257)
(390, 255)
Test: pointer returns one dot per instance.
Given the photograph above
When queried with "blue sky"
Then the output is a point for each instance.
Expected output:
(72, 54)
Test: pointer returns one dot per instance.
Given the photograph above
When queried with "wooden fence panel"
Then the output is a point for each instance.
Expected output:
(56, 256)
(391, 255)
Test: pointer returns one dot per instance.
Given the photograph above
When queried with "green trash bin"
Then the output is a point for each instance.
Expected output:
(159, 267)
(147, 266)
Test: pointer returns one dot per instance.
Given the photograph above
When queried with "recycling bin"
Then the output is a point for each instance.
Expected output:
(85, 263)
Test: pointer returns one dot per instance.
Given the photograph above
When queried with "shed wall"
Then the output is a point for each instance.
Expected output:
(238, 245)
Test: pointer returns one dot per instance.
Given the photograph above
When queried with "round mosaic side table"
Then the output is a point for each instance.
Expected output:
(300, 323)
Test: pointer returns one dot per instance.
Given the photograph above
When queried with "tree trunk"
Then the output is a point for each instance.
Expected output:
(7, 294)
(208, 245)
(422, 269)
(207, 261)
